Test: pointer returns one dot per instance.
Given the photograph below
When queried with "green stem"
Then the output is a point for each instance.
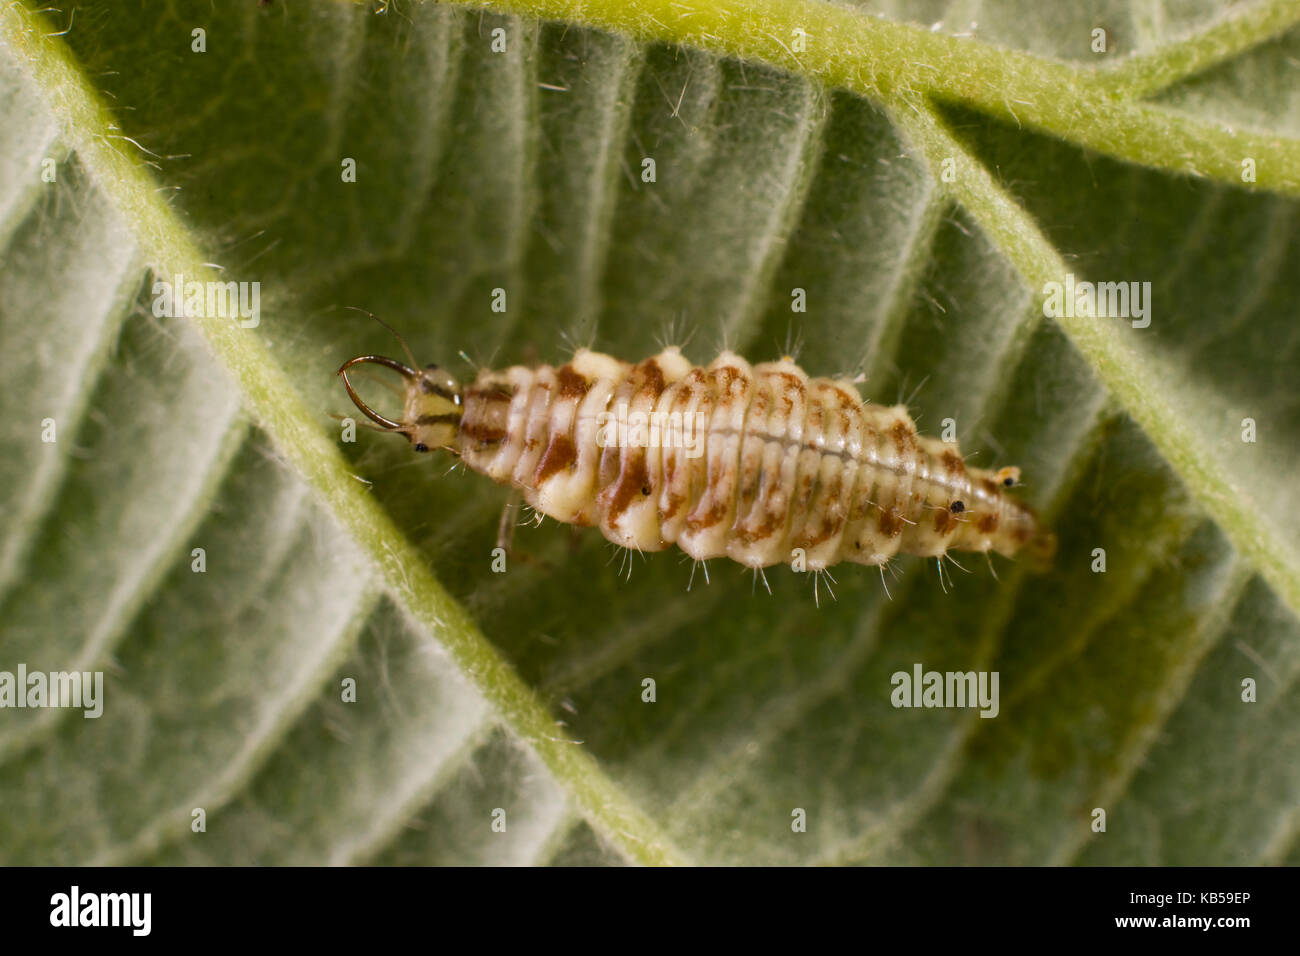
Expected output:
(880, 58)
(1145, 73)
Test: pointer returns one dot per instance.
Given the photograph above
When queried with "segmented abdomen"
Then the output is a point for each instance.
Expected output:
(780, 462)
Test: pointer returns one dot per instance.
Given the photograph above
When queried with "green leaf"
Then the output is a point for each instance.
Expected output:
(921, 182)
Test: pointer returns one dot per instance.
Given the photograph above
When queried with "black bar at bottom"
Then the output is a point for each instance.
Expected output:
(334, 906)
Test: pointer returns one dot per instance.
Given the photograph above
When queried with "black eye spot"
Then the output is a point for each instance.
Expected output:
(1009, 481)
(421, 446)
(957, 507)
(645, 489)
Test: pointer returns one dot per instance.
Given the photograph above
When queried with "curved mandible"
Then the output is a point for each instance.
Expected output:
(405, 370)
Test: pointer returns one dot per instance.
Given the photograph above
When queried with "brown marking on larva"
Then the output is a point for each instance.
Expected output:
(832, 518)
(830, 527)
(815, 424)
(653, 377)
(730, 381)
(944, 521)
(675, 502)
(715, 474)
(632, 478)
(694, 380)
(902, 435)
(891, 523)
(824, 532)
(848, 403)
(560, 455)
(793, 386)
(750, 481)
(773, 521)
(805, 486)
(720, 503)
(987, 523)
(482, 432)
(571, 384)
(990, 486)
(952, 462)
(717, 511)
(487, 411)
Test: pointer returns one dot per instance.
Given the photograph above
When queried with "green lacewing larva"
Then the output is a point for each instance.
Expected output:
(779, 460)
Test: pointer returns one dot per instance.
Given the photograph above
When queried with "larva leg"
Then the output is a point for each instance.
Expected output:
(506, 524)
(988, 556)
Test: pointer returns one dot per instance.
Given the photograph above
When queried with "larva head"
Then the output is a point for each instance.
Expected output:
(431, 404)
(994, 519)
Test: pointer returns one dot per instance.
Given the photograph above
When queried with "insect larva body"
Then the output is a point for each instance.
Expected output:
(751, 462)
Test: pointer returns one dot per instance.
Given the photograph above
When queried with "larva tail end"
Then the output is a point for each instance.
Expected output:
(1039, 551)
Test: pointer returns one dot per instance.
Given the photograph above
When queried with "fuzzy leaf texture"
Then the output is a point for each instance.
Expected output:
(919, 170)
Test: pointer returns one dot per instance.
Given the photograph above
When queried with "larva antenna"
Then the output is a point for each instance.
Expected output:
(470, 362)
(397, 335)
(404, 370)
